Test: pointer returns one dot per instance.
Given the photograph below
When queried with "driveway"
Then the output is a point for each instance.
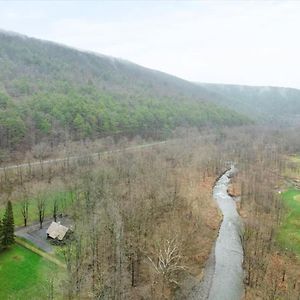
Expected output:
(37, 236)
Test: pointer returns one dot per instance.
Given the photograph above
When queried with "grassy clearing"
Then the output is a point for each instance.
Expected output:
(294, 159)
(26, 275)
(289, 233)
(64, 199)
(40, 252)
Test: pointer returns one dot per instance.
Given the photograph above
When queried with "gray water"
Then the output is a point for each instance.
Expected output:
(227, 280)
(223, 275)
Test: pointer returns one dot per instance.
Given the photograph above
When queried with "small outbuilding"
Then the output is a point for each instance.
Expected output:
(57, 231)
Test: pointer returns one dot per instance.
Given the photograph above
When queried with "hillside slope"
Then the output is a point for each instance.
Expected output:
(50, 92)
(265, 104)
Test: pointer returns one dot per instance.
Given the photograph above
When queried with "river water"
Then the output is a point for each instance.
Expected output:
(223, 278)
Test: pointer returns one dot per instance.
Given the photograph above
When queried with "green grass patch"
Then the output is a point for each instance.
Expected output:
(289, 233)
(26, 275)
(294, 159)
(64, 199)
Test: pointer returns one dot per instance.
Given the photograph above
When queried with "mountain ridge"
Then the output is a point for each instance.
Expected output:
(49, 91)
(262, 103)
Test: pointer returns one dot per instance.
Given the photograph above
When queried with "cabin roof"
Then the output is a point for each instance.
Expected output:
(57, 231)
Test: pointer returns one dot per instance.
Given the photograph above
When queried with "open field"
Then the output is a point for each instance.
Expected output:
(63, 198)
(26, 275)
(289, 233)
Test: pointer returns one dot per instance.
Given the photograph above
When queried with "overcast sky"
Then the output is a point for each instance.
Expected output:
(242, 42)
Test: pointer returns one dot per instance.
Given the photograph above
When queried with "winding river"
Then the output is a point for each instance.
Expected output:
(223, 279)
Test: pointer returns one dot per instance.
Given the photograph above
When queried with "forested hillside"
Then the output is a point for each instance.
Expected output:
(52, 93)
(269, 104)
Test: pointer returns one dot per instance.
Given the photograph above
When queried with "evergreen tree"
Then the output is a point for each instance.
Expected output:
(8, 226)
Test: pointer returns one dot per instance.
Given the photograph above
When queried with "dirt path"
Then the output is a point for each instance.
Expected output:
(74, 158)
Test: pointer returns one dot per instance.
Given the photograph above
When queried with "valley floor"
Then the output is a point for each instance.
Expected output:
(182, 206)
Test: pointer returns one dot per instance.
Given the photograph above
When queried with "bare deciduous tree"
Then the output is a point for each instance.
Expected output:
(55, 209)
(41, 206)
(168, 261)
(25, 210)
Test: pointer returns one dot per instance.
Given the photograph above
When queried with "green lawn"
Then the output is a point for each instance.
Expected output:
(289, 233)
(64, 199)
(26, 275)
